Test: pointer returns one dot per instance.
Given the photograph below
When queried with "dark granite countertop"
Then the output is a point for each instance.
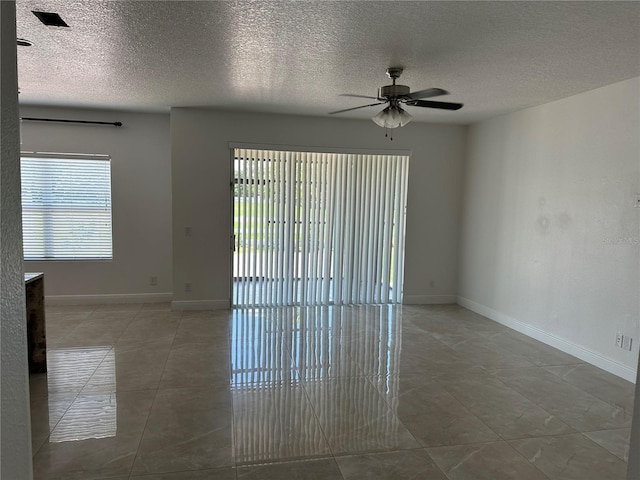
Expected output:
(31, 276)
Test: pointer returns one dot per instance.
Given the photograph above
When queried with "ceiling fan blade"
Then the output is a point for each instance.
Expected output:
(356, 108)
(428, 93)
(430, 104)
(357, 96)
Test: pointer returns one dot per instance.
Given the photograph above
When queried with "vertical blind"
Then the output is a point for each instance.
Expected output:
(66, 207)
(318, 228)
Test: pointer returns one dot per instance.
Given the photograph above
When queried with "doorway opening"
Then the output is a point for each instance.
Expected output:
(314, 228)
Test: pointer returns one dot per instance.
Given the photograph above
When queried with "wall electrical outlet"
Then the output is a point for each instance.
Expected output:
(619, 338)
(626, 342)
(187, 287)
(153, 281)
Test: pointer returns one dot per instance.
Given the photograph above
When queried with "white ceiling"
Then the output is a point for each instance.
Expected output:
(297, 57)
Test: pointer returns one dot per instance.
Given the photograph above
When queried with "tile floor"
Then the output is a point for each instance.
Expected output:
(376, 392)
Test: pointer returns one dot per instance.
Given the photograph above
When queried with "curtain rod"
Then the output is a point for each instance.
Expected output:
(92, 122)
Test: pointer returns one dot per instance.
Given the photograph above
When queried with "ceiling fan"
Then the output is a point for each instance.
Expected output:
(394, 115)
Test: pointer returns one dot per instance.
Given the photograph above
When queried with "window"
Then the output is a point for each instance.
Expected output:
(66, 207)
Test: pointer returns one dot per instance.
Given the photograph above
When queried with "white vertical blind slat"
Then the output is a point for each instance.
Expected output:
(329, 212)
(373, 273)
(402, 228)
(243, 256)
(234, 187)
(254, 218)
(274, 239)
(279, 237)
(313, 193)
(357, 237)
(339, 233)
(319, 241)
(372, 280)
(379, 227)
(260, 237)
(321, 193)
(401, 180)
(280, 295)
(289, 206)
(366, 231)
(323, 254)
(297, 225)
(305, 251)
(351, 226)
(341, 270)
(387, 230)
(316, 227)
(394, 264)
(268, 240)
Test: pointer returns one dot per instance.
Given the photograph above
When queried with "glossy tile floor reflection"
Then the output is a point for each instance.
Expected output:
(375, 392)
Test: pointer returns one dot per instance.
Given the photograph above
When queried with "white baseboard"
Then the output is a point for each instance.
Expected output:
(579, 351)
(428, 299)
(53, 300)
(200, 305)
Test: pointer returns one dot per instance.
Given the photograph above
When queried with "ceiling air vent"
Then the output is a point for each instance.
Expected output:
(50, 19)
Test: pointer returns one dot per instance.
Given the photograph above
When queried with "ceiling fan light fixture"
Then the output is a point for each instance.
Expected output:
(392, 117)
(404, 117)
(381, 118)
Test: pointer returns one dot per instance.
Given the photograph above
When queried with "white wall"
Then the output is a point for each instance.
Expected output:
(15, 444)
(201, 200)
(550, 236)
(141, 199)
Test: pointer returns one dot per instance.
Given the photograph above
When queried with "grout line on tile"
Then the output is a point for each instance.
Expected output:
(146, 423)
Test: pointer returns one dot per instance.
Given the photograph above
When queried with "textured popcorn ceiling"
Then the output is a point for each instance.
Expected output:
(296, 57)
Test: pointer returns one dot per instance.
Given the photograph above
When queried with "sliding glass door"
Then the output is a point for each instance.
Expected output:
(318, 228)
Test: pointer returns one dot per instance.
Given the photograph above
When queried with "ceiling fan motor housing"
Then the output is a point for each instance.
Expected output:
(394, 91)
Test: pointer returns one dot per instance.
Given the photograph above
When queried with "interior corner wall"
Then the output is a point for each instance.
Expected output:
(141, 203)
(550, 237)
(201, 162)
